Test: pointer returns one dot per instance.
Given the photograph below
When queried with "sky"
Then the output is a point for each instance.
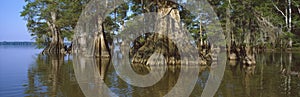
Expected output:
(12, 26)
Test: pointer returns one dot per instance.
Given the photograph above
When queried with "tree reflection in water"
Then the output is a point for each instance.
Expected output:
(274, 75)
(265, 79)
(52, 75)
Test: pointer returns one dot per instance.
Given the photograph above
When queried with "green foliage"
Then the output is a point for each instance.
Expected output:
(37, 14)
(244, 16)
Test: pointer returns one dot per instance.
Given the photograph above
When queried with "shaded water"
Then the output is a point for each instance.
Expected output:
(23, 72)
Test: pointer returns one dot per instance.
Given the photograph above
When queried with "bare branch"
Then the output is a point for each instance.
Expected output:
(279, 10)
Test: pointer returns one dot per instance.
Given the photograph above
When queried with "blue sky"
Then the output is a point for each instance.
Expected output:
(12, 26)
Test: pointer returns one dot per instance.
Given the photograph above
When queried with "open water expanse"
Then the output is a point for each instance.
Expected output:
(25, 72)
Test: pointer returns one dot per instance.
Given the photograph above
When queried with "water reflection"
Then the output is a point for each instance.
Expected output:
(276, 74)
(52, 75)
(89, 79)
(90, 74)
(266, 79)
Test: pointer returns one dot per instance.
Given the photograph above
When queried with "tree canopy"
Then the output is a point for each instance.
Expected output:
(264, 21)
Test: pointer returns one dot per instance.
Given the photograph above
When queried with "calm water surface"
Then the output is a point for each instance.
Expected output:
(24, 72)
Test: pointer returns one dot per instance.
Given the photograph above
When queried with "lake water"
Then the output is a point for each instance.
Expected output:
(24, 72)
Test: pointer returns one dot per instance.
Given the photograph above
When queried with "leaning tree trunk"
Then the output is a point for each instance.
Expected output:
(56, 45)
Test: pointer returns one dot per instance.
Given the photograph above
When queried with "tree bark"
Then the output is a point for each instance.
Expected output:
(201, 33)
(229, 41)
(290, 16)
(101, 45)
(56, 45)
(290, 23)
(159, 42)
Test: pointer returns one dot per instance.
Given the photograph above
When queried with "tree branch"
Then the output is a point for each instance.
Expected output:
(279, 10)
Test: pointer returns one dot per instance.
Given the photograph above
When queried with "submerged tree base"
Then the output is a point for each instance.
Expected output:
(242, 53)
(159, 50)
(54, 48)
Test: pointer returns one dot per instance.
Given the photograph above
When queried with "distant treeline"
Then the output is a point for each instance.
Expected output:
(17, 43)
(22, 43)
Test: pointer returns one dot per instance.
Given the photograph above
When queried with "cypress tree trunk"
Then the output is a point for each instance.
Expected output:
(90, 38)
(229, 39)
(159, 42)
(167, 24)
(56, 45)
(101, 45)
